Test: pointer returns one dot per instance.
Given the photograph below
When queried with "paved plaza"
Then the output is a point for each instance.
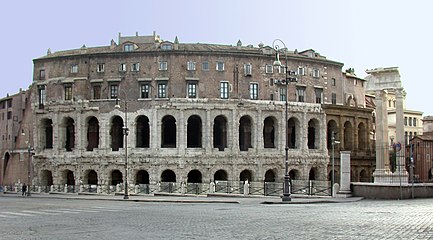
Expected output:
(218, 218)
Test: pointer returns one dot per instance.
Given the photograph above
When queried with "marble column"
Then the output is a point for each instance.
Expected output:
(382, 172)
(399, 123)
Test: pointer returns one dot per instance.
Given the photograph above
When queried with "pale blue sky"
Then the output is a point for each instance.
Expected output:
(361, 34)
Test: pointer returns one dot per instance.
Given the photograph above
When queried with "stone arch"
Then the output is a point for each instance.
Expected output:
(269, 132)
(364, 176)
(142, 177)
(46, 178)
(270, 176)
(116, 133)
(168, 176)
(194, 176)
(313, 134)
(68, 130)
(46, 130)
(362, 136)
(246, 175)
(332, 127)
(293, 136)
(168, 132)
(194, 132)
(220, 175)
(312, 175)
(116, 177)
(92, 133)
(245, 133)
(142, 132)
(220, 132)
(68, 177)
(90, 177)
(348, 135)
(294, 174)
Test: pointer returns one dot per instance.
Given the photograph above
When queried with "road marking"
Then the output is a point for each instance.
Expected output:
(79, 210)
(6, 216)
(18, 214)
(40, 212)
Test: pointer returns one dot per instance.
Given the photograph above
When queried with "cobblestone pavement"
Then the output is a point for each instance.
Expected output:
(51, 218)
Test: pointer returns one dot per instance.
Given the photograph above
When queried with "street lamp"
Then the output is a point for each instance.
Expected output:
(333, 143)
(286, 189)
(29, 164)
(125, 134)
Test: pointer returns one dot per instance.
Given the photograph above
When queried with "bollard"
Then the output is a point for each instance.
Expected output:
(98, 189)
(52, 188)
(182, 188)
(81, 188)
(39, 189)
(66, 188)
(136, 189)
(211, 187)
(118, 189)
(246, 188)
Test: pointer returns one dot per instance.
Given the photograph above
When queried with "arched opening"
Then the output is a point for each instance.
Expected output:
(47, 133)
(312, 174)
(220, 133)
(245, 133)
(70, 134)
(313, 134)
(116, 133)
(194, 176)
(269, 133)
(168, 132)
(331, 128)
(92, 134)
(70, 179)
(362, 137)
(194, 132)
(116, 177)
(92, 178)
(46, 178)
(168, 176)
(293, 174)
(363, 176)
(246, 175)
(220, 175)
(143, 132)
(348, 136)
(142, 177)
(6, 163)
(269, 176)
(291, 133)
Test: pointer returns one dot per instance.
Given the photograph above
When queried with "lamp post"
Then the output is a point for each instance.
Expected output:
(125, 134)
(29, 164)
(286, 189)
(333, 143)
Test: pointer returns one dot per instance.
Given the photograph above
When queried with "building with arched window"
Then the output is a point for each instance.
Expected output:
(195, 113)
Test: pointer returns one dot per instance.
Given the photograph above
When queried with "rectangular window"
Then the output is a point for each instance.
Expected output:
(122, 67)
(74, 68)
(333, 83)
(269, 68)
(224, 90)
(9, 115)
(414, 122)
(135, 67)
(281, 69)
(192, 89)
(163, 66)
(205, 66)
(319, 95)
(410, 121)
(128, 47)
(144, 90)
(114, 90)
(220, 66)
(334, 98)
(166, 47)
(162, 90)
(41, 96)
(9, 103)
(405, 121)
(97, 92)
(100, 67)
(316, 73)
(254, 91)
(301, 71)
(248, 68)
(282, 91)
(42, 74)
(190, 66)
(68, 92)
(300, 92)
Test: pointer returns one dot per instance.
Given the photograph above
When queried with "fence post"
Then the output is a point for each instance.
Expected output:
(136, 190)
(118, 188)
(246, 188)
(81, 188)
(39, 189)
(211, 187)
(66, 188)
(52, 188)
(182, 188)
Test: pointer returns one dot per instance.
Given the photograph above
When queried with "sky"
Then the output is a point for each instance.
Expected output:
(361, 34)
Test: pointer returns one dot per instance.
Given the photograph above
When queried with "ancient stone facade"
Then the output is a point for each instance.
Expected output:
(193, 113)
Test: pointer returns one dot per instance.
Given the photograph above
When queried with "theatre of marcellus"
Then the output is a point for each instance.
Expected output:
(194, 113)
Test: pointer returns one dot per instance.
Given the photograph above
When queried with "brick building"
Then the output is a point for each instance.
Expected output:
(195, 113)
